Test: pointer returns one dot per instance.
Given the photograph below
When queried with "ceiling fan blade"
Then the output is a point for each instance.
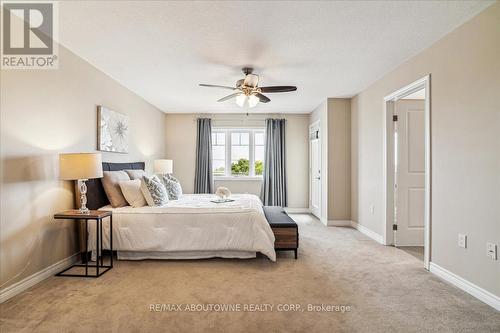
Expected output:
(228, 97)
(277, 89)
(215, 86)
(251, 80)
(262, 98)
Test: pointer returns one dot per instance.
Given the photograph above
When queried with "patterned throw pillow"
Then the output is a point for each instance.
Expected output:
(169, 176)
(154, 192)
(172, 178)
(173, 187)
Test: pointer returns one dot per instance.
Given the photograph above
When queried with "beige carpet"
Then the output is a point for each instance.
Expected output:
(387, 289)
(416, 251)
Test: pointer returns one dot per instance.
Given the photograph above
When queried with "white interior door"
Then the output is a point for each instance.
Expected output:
(410, 172)
(315, 160)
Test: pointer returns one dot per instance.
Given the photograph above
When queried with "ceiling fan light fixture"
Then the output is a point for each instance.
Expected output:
(241, 100)
(247, 92)
(253, 101)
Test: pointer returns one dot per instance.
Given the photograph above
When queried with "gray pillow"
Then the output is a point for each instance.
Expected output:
(111, 183)
(135, 174)
(174, 189)
(154, 191)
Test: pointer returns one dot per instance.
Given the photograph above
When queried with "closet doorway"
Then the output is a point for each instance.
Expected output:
(408, 169)
(315, 169)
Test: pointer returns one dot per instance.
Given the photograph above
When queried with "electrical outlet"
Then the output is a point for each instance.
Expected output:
(462, 240)
(491, 250)
(372, 209)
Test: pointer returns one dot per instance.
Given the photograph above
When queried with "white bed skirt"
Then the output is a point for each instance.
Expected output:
(138, 255)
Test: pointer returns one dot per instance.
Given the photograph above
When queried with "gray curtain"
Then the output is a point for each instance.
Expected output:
(203, 181)
(274, 188)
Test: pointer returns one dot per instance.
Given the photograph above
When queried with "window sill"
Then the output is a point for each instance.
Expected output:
(238, 178)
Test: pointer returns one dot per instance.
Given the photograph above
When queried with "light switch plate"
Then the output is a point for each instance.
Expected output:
(462, 240)
(491, 250)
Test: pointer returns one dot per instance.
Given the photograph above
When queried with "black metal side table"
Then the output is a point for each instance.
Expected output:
(98, 216)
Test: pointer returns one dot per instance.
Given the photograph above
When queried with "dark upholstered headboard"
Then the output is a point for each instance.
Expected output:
(96, 197)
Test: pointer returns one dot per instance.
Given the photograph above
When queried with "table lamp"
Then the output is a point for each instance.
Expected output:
(163, 167)
(80, 167)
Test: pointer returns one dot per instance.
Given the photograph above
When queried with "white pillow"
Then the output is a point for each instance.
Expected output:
(131, 190)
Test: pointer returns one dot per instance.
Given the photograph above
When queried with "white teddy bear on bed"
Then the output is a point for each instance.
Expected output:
(223, 193)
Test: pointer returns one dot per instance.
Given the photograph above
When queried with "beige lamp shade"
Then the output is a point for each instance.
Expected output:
(80, 166)
(163, 166)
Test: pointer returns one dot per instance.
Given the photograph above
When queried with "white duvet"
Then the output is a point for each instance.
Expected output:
(191, 227)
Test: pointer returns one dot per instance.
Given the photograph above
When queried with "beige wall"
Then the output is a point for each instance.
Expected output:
(181, 147)
(44, 113)
(334, 115)
(465, 86)
(339, 159)
(297, 152)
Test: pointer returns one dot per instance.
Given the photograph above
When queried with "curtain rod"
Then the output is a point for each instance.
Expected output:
(239, 115)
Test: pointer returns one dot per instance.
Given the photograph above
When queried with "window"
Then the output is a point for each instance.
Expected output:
(219, 153)
(259, 153)
(238, 152)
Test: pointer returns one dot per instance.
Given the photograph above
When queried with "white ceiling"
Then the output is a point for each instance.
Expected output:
(162, 50)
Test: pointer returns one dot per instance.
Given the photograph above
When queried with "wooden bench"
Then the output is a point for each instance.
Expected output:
(286, 231)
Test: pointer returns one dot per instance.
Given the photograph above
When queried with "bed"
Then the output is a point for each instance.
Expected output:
(192, 227)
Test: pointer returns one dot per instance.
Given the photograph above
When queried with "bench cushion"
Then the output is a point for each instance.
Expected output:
(277, 217)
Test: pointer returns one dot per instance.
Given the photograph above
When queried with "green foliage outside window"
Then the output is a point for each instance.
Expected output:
(259, 166)
(242, 167)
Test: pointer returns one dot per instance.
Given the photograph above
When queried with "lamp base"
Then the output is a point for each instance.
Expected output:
(84, 211)
(83, 197)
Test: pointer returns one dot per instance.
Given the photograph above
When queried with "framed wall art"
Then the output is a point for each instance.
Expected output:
(112, 130)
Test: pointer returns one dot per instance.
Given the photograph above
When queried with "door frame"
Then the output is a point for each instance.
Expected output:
(388, 170)
(312, 126)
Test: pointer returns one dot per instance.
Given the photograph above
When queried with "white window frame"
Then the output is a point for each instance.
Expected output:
(251, 141)
(225, 152)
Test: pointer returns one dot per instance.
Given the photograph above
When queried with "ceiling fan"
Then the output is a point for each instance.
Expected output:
(247, 90)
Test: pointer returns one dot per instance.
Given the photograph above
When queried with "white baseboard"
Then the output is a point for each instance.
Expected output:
(469, 287)
(367, 232)
(19, 287)
(339, 223)
(297, 210)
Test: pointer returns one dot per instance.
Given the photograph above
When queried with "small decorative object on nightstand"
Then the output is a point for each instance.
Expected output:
(81, 167)
(98, 216)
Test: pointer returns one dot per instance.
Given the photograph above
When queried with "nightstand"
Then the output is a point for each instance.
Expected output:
(98, 216)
